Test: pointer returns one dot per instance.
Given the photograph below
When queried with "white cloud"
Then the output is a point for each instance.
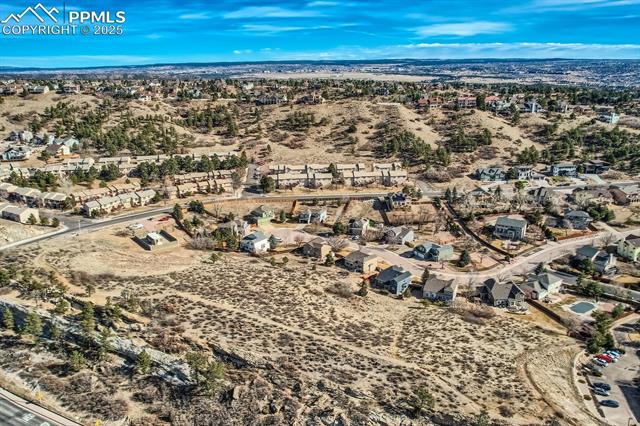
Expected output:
(463, 29)
(258, 28)
(567, 5)
(530, 50)
(195, 16)
(269, 12)
(242, 52)
(322, 3)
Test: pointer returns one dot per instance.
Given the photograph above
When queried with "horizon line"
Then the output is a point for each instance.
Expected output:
(14, 68)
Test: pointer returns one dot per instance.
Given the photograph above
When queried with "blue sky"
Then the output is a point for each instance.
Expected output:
(169, 31)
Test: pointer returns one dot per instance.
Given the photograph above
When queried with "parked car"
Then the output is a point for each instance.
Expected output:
(593, 367)
(605, 358)
(599, 362)
(601, 392)
(610, 403)
(614, 354)
(601, 385)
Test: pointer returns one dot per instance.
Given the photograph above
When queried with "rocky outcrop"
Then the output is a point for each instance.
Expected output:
(168, 367)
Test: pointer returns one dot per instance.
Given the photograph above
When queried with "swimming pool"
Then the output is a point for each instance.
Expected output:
(582, 307)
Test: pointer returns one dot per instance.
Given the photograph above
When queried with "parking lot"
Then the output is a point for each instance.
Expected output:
(620, 376)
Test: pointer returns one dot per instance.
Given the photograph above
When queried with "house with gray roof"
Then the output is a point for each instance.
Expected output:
(491, 174)
(539, 286)
(506, 294)
(394, 279)
(433, 252)
(399, 235)
(577, 219)
(510, 228)
(602, 261)
(256, 242)
(437, 289)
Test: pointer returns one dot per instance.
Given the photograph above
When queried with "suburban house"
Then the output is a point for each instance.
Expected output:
(358, 226)
(625, 195)
(262, 215)
(596, 166)
(20, 214)
(237, 227)
(394, 279)
(510, 228)
(611, 118)
(537, 287)
(311, 215)
(491, 174)
(256, 242)
(437, 289)
(526, 173)
(358, 261)
(502, 295)
(629, 248)
(577, 219)
(16, 153)
(433, 252)
(466, 101)
(563, 169)
(602, 261)
(542, 194)
(399, 235)
(316, 248)
(57, 150)
(396, 200)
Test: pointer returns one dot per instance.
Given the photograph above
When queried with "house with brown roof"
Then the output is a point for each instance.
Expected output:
(316, 248)
(359, 261)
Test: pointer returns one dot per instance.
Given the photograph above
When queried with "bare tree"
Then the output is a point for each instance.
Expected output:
(337, 243)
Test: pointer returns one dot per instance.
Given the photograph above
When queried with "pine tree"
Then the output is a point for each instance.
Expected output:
(32, 325)
(76, 361)
(143, 362)
(7, 319)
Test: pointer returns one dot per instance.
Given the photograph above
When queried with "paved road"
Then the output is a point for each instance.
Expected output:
(78, 224)
(17, 411)
(519, 265)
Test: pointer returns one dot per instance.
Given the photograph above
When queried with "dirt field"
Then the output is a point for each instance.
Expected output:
(11, 232)
(297, 316)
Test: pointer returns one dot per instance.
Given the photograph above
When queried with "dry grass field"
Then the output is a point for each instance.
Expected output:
(305, 320)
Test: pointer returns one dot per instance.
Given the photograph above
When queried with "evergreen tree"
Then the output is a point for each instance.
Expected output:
(32, 325)
(7, 319)
(143, 362)
(76, 362)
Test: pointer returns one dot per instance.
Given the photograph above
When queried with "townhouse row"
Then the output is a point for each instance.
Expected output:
(321, 175)
(110, 203)
(32, 196)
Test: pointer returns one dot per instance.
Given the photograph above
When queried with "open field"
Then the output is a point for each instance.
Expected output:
(306, 320)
